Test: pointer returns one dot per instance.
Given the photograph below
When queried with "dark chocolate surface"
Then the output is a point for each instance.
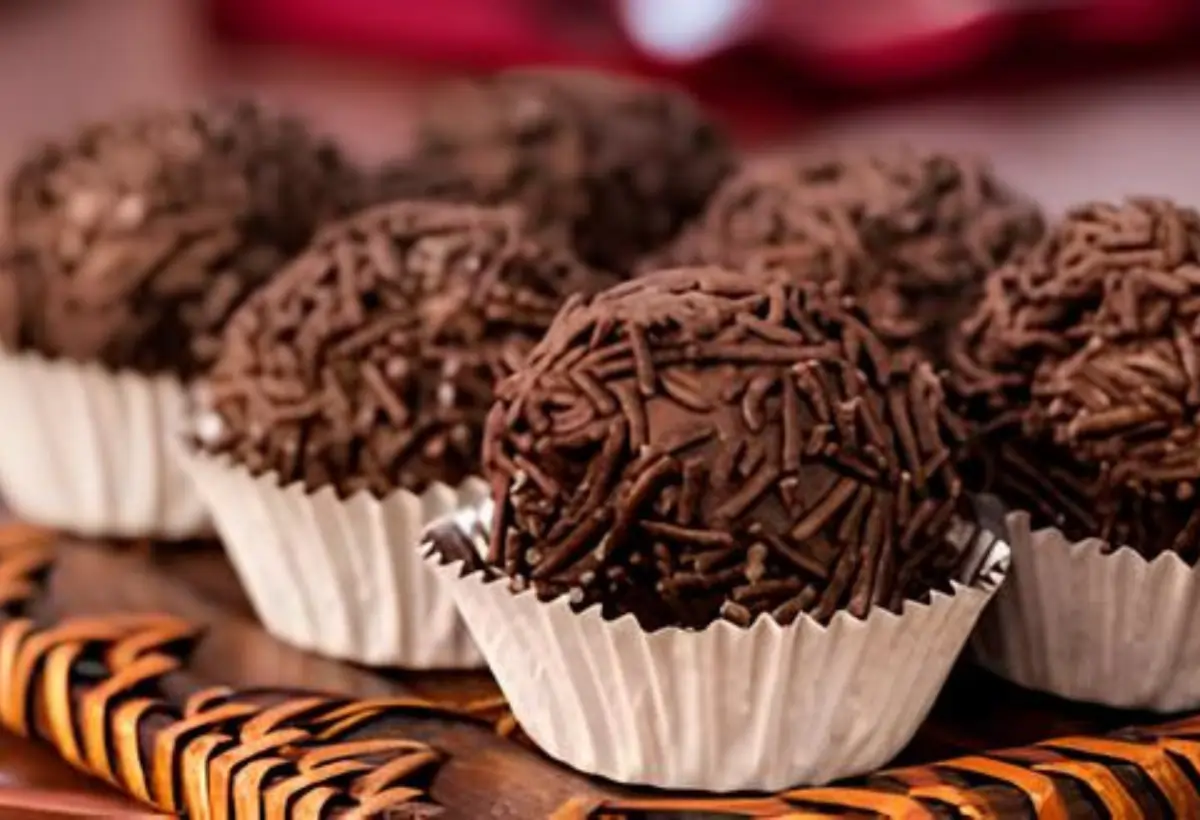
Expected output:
(427, 179)
(368, 363)
(909, 233)
(615, 164)
(1086, 354)
(12, 281)
(142, 234)
(701, 444)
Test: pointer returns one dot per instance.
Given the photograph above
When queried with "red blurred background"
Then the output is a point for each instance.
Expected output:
(1073, 99)
(784, 50)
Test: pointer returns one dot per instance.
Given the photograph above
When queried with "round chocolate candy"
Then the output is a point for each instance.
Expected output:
(614, 164)
(142, 234)
(425, 179)
(14, 279)
(700, 444)
(909, 233)
(368, 362)
(1086, 353)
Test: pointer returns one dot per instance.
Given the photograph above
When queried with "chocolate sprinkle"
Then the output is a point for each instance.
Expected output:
(142, 235)
(368, 363)
(1084, 356)
(911, 234)
(698, 457)
(616, 165)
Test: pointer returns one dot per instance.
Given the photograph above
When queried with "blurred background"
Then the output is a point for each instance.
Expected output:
(1071, 98)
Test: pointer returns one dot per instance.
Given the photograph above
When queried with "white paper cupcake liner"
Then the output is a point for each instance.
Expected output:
(89, 450)
(1113, 629)
(721, 709)
(340, 577)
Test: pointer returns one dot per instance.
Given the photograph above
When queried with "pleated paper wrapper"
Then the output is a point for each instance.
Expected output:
(341, 577)
(89, 450)
(1113, 629)
(726, 708)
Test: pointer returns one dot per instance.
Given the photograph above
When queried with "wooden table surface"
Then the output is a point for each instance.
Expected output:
(36, 784)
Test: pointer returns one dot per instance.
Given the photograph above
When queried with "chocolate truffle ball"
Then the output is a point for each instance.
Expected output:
(368, 363)
(616, 164)
(423, 178)
(14, 278)
(701, 444)
(1084, 354)
(146, 231)
(909, 233)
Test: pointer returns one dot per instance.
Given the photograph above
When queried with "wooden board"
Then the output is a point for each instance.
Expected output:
(484, 774)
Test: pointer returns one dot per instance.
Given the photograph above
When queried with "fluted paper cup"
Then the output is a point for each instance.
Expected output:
(87, 449)
(1113, 629)
(342, 577)
(725, 708)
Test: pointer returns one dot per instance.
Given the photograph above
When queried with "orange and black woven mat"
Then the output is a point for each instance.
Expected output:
(1136, 774)
(90, 688)
(105, 693)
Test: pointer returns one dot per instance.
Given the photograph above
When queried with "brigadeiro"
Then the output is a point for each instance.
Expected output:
(131, 243)
(615, 165)
(719, 512)
(346, 409)
(910, 233)
(1080, 374)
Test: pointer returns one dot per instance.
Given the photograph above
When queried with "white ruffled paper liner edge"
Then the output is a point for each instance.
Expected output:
(1113, 629)
(725, 708)
(89, 450)
(342, 577)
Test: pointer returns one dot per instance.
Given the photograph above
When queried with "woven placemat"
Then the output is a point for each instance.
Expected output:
(95, 689)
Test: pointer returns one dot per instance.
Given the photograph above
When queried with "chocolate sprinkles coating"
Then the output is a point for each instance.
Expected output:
(1084, 354)
(614, 164)
(368, 363)
(706, 484)
(16, 291)
(141, 235)
(910, 233)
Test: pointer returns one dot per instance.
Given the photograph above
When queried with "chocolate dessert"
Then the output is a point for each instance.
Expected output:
(14, 279)
(142, 234)
(1081, 369)
(368, 362)
(615, 164)
(910, 234)
(701, 444)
